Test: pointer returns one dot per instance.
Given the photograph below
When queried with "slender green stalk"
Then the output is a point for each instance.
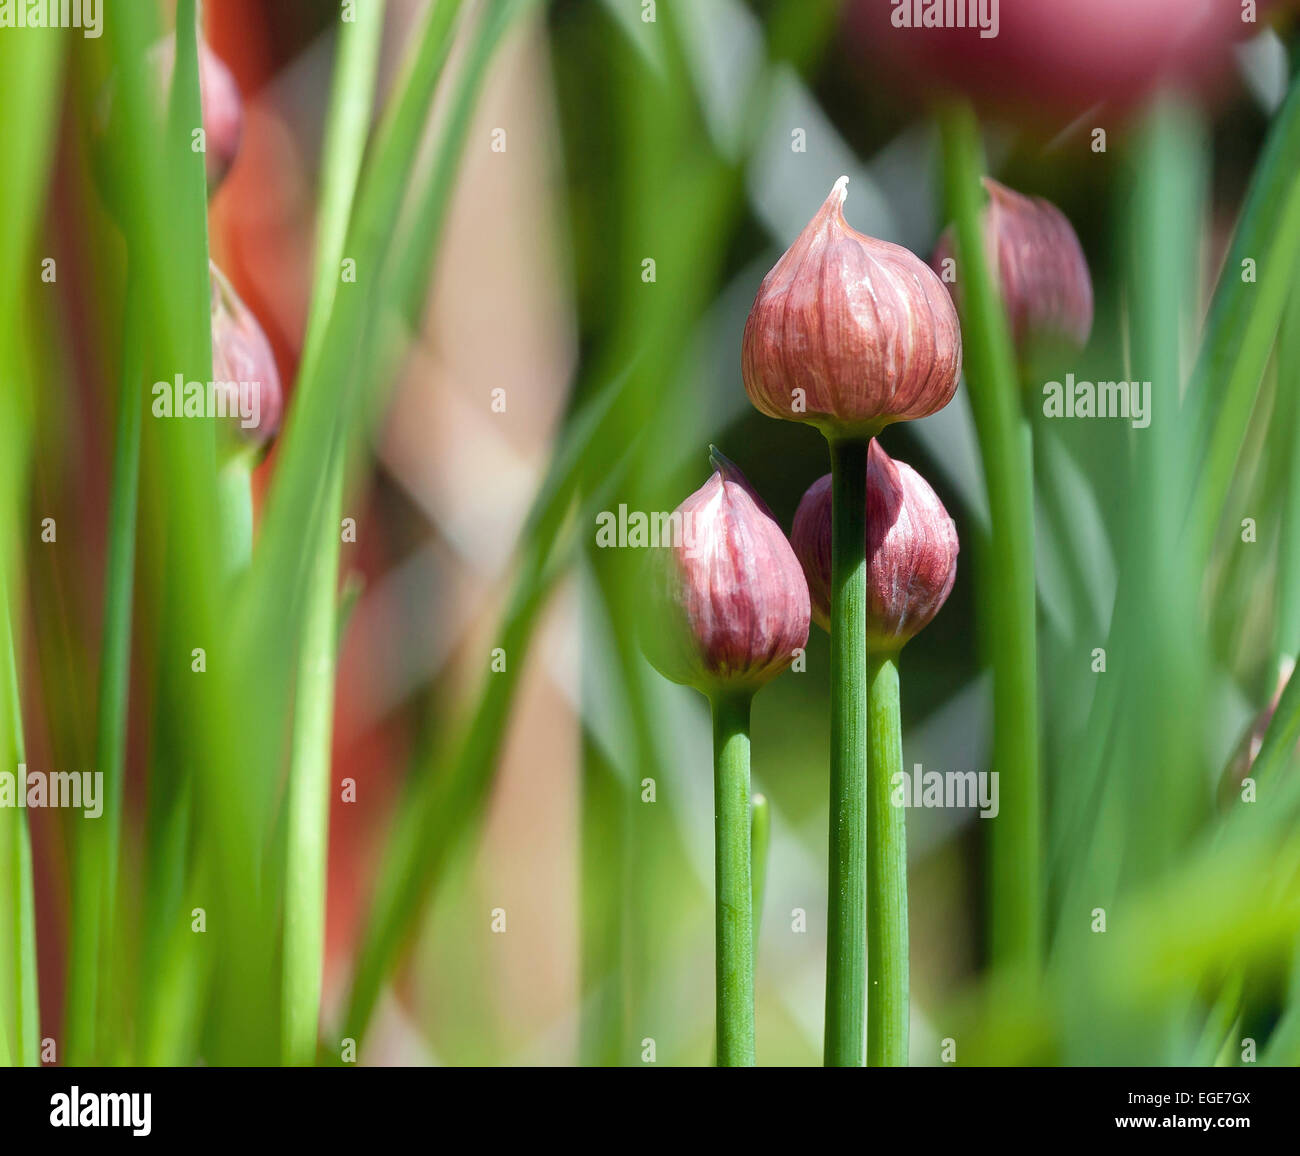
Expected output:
(27, 1012)
(1283, 1048)
(1286, 637)
(235, 502)
(846, 926)
(734, 899)
(1009, 593)
(1243, 321)
(95, 892)
(887, 947)
(307, 849)
(309, 807)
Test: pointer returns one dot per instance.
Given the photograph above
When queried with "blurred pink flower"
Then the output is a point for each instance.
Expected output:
(1053, 58)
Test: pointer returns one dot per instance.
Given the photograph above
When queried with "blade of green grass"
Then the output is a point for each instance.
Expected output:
(1008, 565)
(306, 857)
(27, 1013)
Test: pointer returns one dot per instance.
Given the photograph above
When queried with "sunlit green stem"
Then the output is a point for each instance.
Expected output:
(307, 835)
(309, 807)
(888, 1016)
(734, 885)
(846, 931)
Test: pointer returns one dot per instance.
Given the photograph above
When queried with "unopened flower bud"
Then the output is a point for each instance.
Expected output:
(729, 603)
(1042, 273)
(849, 333)
(243, 365)
(911, 550)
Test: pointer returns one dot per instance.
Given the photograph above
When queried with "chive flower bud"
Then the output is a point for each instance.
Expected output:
(729, 603)
(849, 333)
(911, 550)
(1041, 270)
(243, 366)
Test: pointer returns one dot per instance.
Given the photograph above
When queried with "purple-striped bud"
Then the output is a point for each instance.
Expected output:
(911, 550)
(243, 365)
(1041, 270)
(849, 333)
(729, 603)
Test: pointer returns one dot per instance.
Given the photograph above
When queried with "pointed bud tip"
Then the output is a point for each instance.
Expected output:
(723, 465)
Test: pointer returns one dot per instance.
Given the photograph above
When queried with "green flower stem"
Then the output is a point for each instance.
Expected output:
(846, 930)
(760, 843)
(1009, 591)
(735, 898)
(887, 946)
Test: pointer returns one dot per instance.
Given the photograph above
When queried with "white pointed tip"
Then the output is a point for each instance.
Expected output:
(841, 189)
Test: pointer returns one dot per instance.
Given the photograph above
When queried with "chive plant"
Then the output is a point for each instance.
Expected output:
(851, 334)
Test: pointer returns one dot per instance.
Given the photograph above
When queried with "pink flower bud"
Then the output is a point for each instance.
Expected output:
(729, 604)
(861, 328)
(911, 550)
(244, 365)
(1041, 270)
